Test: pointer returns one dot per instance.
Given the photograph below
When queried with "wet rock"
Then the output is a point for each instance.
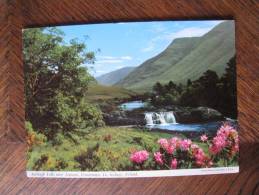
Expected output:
(197, 115)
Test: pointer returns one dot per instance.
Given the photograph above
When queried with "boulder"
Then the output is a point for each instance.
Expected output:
(182, 115)
(124, 118)
(197, 115)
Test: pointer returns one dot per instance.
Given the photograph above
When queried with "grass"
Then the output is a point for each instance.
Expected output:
(115, 147)
(104, 149)
(100, 92)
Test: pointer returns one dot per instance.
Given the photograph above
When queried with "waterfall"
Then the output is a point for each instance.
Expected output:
(170, 117)
(160, 118)
(149, 118)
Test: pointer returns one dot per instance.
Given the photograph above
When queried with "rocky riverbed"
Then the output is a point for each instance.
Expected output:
(184, 115)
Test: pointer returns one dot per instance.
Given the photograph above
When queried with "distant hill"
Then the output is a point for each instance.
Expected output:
(185, 58)
(98, 92)
(114, 76)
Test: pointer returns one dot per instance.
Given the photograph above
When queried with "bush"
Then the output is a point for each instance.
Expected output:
(88, 160)
(183, 153)
(33, 137)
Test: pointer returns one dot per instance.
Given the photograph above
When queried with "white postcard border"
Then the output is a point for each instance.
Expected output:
(132, 174)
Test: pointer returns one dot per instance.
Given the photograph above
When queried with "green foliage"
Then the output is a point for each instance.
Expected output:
(56, 84)
(93, 153)
(76, 115)
(33, 137)
(208, 90)
(88, 160)
(105, 148)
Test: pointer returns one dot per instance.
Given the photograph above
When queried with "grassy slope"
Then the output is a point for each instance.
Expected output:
(112, 154)
(101, 92)
(146, 73)
(186, 58)
(213, 52)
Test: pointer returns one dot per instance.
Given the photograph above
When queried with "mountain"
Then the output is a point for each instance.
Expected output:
(114, 76)
(185, 58)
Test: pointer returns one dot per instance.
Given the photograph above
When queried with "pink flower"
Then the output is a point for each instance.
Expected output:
(227, 130)
(185, 144)
(218, 143)
(194, 147)
(199, 155)
(200, 158)
(210, 163)
(174, 163)
(158, 158)
(204, 138)
(163, 143)
(170, 149)
(226, 137)
(236, 148)
(174, 141)
(139, 157)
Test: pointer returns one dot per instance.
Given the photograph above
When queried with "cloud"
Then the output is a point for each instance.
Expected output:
(113, 58)
(165, 35)
(105, 63)
(126, 57)
(100, 71)
(158, 28)
(151, 44)
(149, 48)
(187, 32)
(109, 61)
(106, 57)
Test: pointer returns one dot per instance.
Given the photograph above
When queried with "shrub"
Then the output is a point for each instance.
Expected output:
(33, 137)
(88, 160)
(61, 164)
(225, 145)
(107, 138)
(183, 153)
(40, 162)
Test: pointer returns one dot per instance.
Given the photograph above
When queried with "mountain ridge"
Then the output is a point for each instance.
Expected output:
(115, 76)
(185, 58)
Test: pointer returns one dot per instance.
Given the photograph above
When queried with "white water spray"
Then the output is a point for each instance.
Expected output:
(160, 118)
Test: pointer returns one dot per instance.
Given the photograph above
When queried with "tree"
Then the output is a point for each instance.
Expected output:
(189, 82)
(158, 88)
(55, 82)
(170, 86)
(228, 89)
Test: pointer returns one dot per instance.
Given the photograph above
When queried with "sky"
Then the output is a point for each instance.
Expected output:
(119, 45)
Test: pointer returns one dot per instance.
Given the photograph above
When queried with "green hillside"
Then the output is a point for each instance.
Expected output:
(185, 58)
(100, 92)
(115, 76)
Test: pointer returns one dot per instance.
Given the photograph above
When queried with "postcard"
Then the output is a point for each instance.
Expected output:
(134, 99)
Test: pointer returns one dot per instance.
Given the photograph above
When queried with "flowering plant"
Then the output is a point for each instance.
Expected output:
(225, 145)
(180, 153)
(183, 153)
(139, 157)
